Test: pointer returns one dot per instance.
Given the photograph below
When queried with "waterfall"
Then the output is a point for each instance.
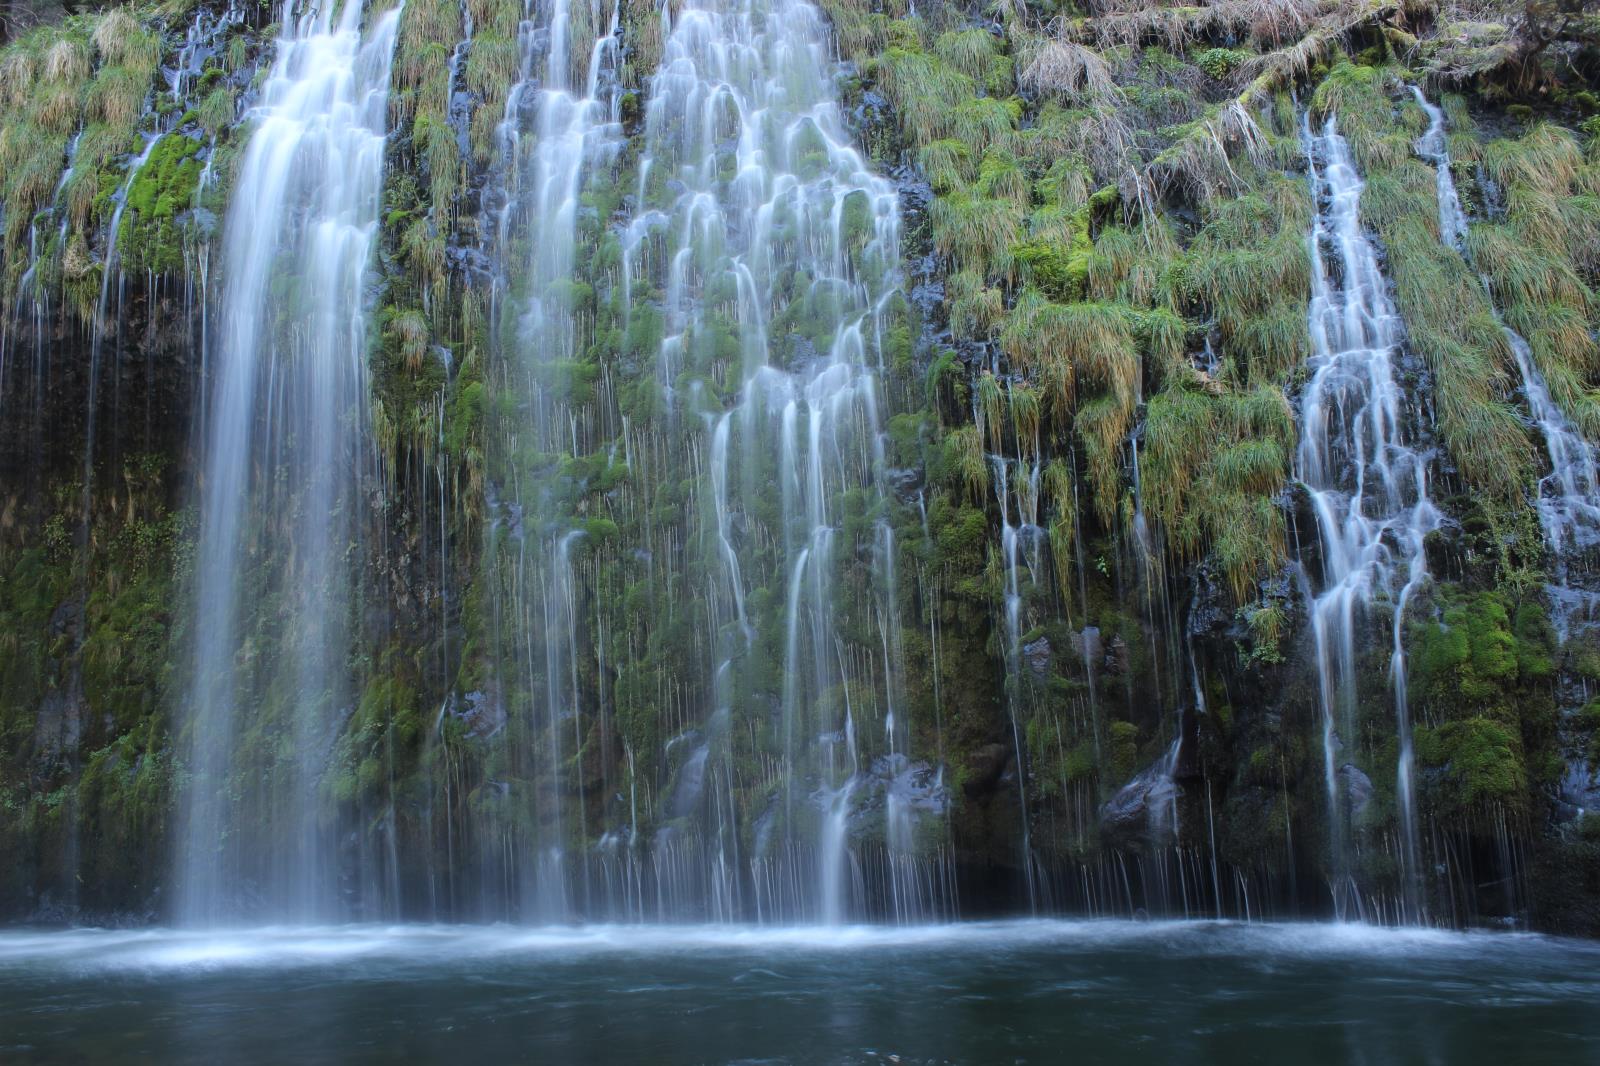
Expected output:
(560, 128)
(1368, 486)
(283, 454)
(779, 248)
(1434, 146)
(1569, 496)
(1020, 544)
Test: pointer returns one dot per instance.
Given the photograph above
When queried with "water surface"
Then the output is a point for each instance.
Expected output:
(1034, 991)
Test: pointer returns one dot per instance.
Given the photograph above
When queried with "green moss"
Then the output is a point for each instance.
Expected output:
(1477, 763)
(1218, 63)
(160, 193)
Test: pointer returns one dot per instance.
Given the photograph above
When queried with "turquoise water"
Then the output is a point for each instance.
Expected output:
(1034, 991)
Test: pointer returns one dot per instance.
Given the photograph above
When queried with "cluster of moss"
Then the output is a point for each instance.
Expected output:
(85, 750)
(78, 102)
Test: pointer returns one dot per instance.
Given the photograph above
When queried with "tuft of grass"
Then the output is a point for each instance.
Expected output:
(66, 62)
(411, 336)
(121, 41)
(116, 96)
(967, 463)
(1072, 71)
(989, 411)
(1059, 343)
(976, 53)
(947, 164)
(1210, 468)
(491, 66)
(925, 93)
(1538, 257)
(216, 111)
(1000, 177)
(977, 233)
(976, 310)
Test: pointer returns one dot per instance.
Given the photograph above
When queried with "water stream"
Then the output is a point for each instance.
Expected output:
(1368, 485)
(283, 461)
(1568, 498)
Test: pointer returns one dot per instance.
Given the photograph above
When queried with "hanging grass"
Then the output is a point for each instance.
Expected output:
(1202, 160)
(859, 33)
(926, 94)
(985, 122)
(1131, 264)
(1097, 141)
(408, 331)
(990, 410)
(968, 465)
(977, 233)
(66, 62)
(491, 65)
(19, 73)
(1069, 70)
(1026, 415)
(1101, 425)
(1060, 496)
(1066, 185)
(975, 309)
(1547, 158)
(424, 26)
(1060, 343)
(976, 53)
(1001, 178)
(1210, 469)
(947, 164)
(117, 94)
(1535, 260)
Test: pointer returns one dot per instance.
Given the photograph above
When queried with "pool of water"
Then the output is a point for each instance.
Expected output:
(1031, 991)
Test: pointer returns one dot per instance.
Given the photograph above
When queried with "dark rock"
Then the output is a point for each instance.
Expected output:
(1036, 657)
(481, 714)
(1087, 644)
(1356, 788)
(1117, 656)
(985, 767)
(905, 482)
(1142, 811)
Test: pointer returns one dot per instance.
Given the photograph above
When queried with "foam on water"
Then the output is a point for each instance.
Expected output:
(370, 948)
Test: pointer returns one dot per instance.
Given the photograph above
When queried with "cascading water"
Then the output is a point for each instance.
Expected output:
(780, 250)
(553, 138)
(1368, 486)
(283, 461)
(1569, 496)
(1434, 146)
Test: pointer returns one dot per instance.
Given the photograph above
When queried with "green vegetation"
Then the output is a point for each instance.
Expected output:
(1116, 217)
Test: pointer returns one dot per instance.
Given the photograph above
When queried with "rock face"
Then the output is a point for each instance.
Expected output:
(1055, 620)
(1144, 813)
(1357, 788)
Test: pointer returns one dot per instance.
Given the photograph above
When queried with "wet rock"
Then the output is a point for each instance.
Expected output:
(1036, 657)
(1443, 549)
(66, 618)
(481, 714)
(1356, 788)
(1087, 644)
(1143, 812)
(1580, 791)
(905, 482)
(984, 768)
(58, 726)
(1117, 657)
